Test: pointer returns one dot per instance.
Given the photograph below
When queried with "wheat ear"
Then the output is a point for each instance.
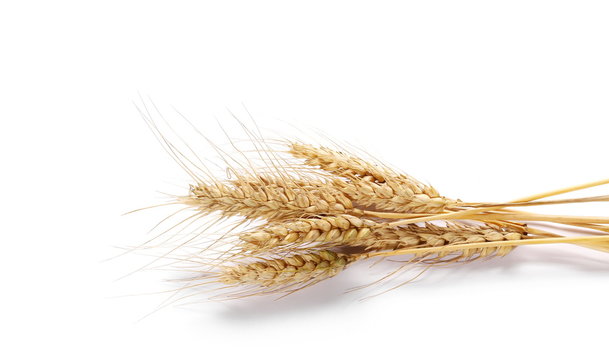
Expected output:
(372, 185)
(324, 230)
(267, 198)
(284, 274)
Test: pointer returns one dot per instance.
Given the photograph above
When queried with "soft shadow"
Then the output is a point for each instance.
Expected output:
(326, 294)
(331, 294)
(578, 259)
(515, 264)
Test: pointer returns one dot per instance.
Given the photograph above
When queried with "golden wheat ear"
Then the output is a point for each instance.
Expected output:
(372, 185)
(282, 274)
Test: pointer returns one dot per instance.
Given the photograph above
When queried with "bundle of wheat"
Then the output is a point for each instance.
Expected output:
(317, 210)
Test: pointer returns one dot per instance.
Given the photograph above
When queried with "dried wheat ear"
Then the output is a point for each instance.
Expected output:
(314, 211)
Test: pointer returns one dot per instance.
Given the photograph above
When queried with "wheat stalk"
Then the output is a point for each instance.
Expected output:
(347, 230)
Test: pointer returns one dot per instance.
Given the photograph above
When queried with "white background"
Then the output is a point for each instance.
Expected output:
(487, 100)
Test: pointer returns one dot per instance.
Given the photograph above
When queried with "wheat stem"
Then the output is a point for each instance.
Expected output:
(563, 191)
